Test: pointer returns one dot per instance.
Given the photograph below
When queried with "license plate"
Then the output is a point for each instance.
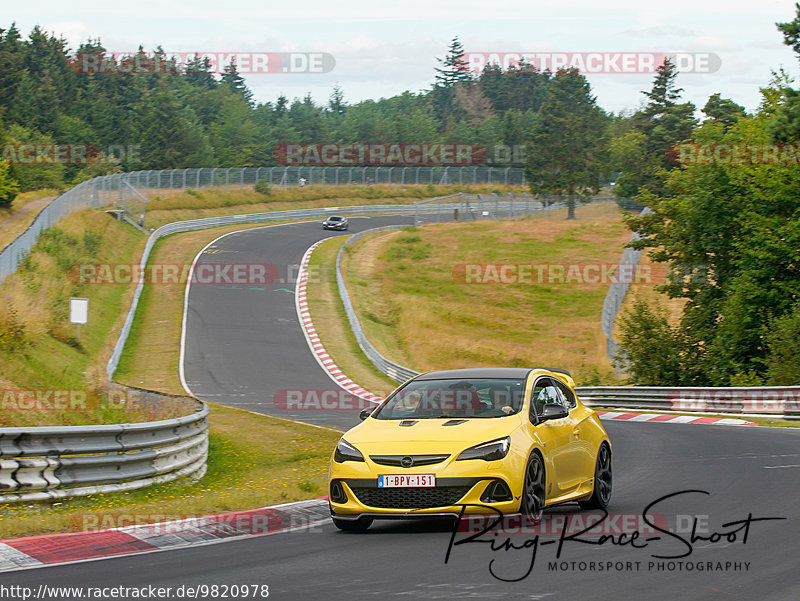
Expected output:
(406, 480)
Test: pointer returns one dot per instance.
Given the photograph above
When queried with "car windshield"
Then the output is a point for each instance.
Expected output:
(334, 218)
(451, 398)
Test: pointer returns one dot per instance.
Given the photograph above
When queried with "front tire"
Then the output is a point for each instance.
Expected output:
(533, 492)
(359, 525)
(601, 495)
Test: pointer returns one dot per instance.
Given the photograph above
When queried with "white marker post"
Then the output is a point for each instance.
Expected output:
(79, 313)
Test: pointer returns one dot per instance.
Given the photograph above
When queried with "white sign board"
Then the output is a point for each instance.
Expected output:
(79, 310)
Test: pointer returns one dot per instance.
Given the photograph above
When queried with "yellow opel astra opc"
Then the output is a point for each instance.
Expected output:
(511, 440)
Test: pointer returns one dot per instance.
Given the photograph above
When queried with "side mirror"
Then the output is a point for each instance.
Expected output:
(553, 411)
(365, 413)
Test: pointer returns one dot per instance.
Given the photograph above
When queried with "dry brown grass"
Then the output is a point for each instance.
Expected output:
(649, 294)
(416, 313)
(23, 211)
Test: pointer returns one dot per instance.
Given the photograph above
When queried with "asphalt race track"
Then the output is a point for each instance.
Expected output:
(244, 344)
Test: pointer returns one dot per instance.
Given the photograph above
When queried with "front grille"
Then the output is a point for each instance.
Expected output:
(410, 498)
(397, 460)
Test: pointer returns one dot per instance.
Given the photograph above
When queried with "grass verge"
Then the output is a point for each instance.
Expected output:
(254, 461)
(23, 210)
(418, 312)
(177, 205)
(39, 348)
(335, 334)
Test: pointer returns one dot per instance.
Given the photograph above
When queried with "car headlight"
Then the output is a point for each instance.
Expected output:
(346, 452)
(488, 451)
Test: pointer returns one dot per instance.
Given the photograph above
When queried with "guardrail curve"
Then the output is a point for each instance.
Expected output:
(54, 462)
(775, 401)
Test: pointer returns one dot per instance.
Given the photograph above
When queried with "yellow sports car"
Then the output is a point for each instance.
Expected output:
(510, 439)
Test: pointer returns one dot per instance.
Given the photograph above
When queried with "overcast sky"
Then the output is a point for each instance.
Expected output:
(383, 49)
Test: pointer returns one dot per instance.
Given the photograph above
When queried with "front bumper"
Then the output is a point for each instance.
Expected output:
(353, 489)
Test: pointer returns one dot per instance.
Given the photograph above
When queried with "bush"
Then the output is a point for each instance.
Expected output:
(8, 186)
(263, 187)
(783, 356)
(652, 354)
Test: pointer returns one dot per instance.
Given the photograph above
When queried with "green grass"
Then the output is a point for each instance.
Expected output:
(254, 461)
(47, 354)
(333, 328)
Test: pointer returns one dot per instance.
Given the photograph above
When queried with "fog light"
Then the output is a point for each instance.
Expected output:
(496, 492)
(337, 494)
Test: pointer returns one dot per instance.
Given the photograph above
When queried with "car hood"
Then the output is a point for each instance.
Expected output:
(428, 435)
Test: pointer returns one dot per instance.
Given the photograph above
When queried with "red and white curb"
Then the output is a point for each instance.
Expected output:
(667, 418)
(319, 352)
(71, 547)
(347, 384)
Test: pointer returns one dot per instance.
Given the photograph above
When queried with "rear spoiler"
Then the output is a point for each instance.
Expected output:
(567, 377)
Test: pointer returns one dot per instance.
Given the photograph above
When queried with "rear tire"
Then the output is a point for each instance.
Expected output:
(601, 495)
(359, 525)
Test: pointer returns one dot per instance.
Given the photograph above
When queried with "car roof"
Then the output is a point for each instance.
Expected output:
(487, 372)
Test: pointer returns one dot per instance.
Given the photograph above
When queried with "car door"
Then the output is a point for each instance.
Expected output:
(555, 434)
(575, 455)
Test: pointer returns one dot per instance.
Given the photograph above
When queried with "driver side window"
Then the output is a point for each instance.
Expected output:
(568, 398)
(544, 391)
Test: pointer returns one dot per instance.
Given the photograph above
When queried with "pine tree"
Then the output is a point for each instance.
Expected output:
(663, 123)
(235, 83)
(336, 103)
(11, 73)
(9, 188)
(567, 151)
(455, 67)
(198, 72)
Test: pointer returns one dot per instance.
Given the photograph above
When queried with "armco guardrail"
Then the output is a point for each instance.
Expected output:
(47, 463)
(393, 370)
(489, 203)
(210, 222)
(779, 401)
(616, 296)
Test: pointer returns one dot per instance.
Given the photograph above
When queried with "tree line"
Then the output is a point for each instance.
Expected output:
(728, 232)
(726, 224)
(178, 116)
